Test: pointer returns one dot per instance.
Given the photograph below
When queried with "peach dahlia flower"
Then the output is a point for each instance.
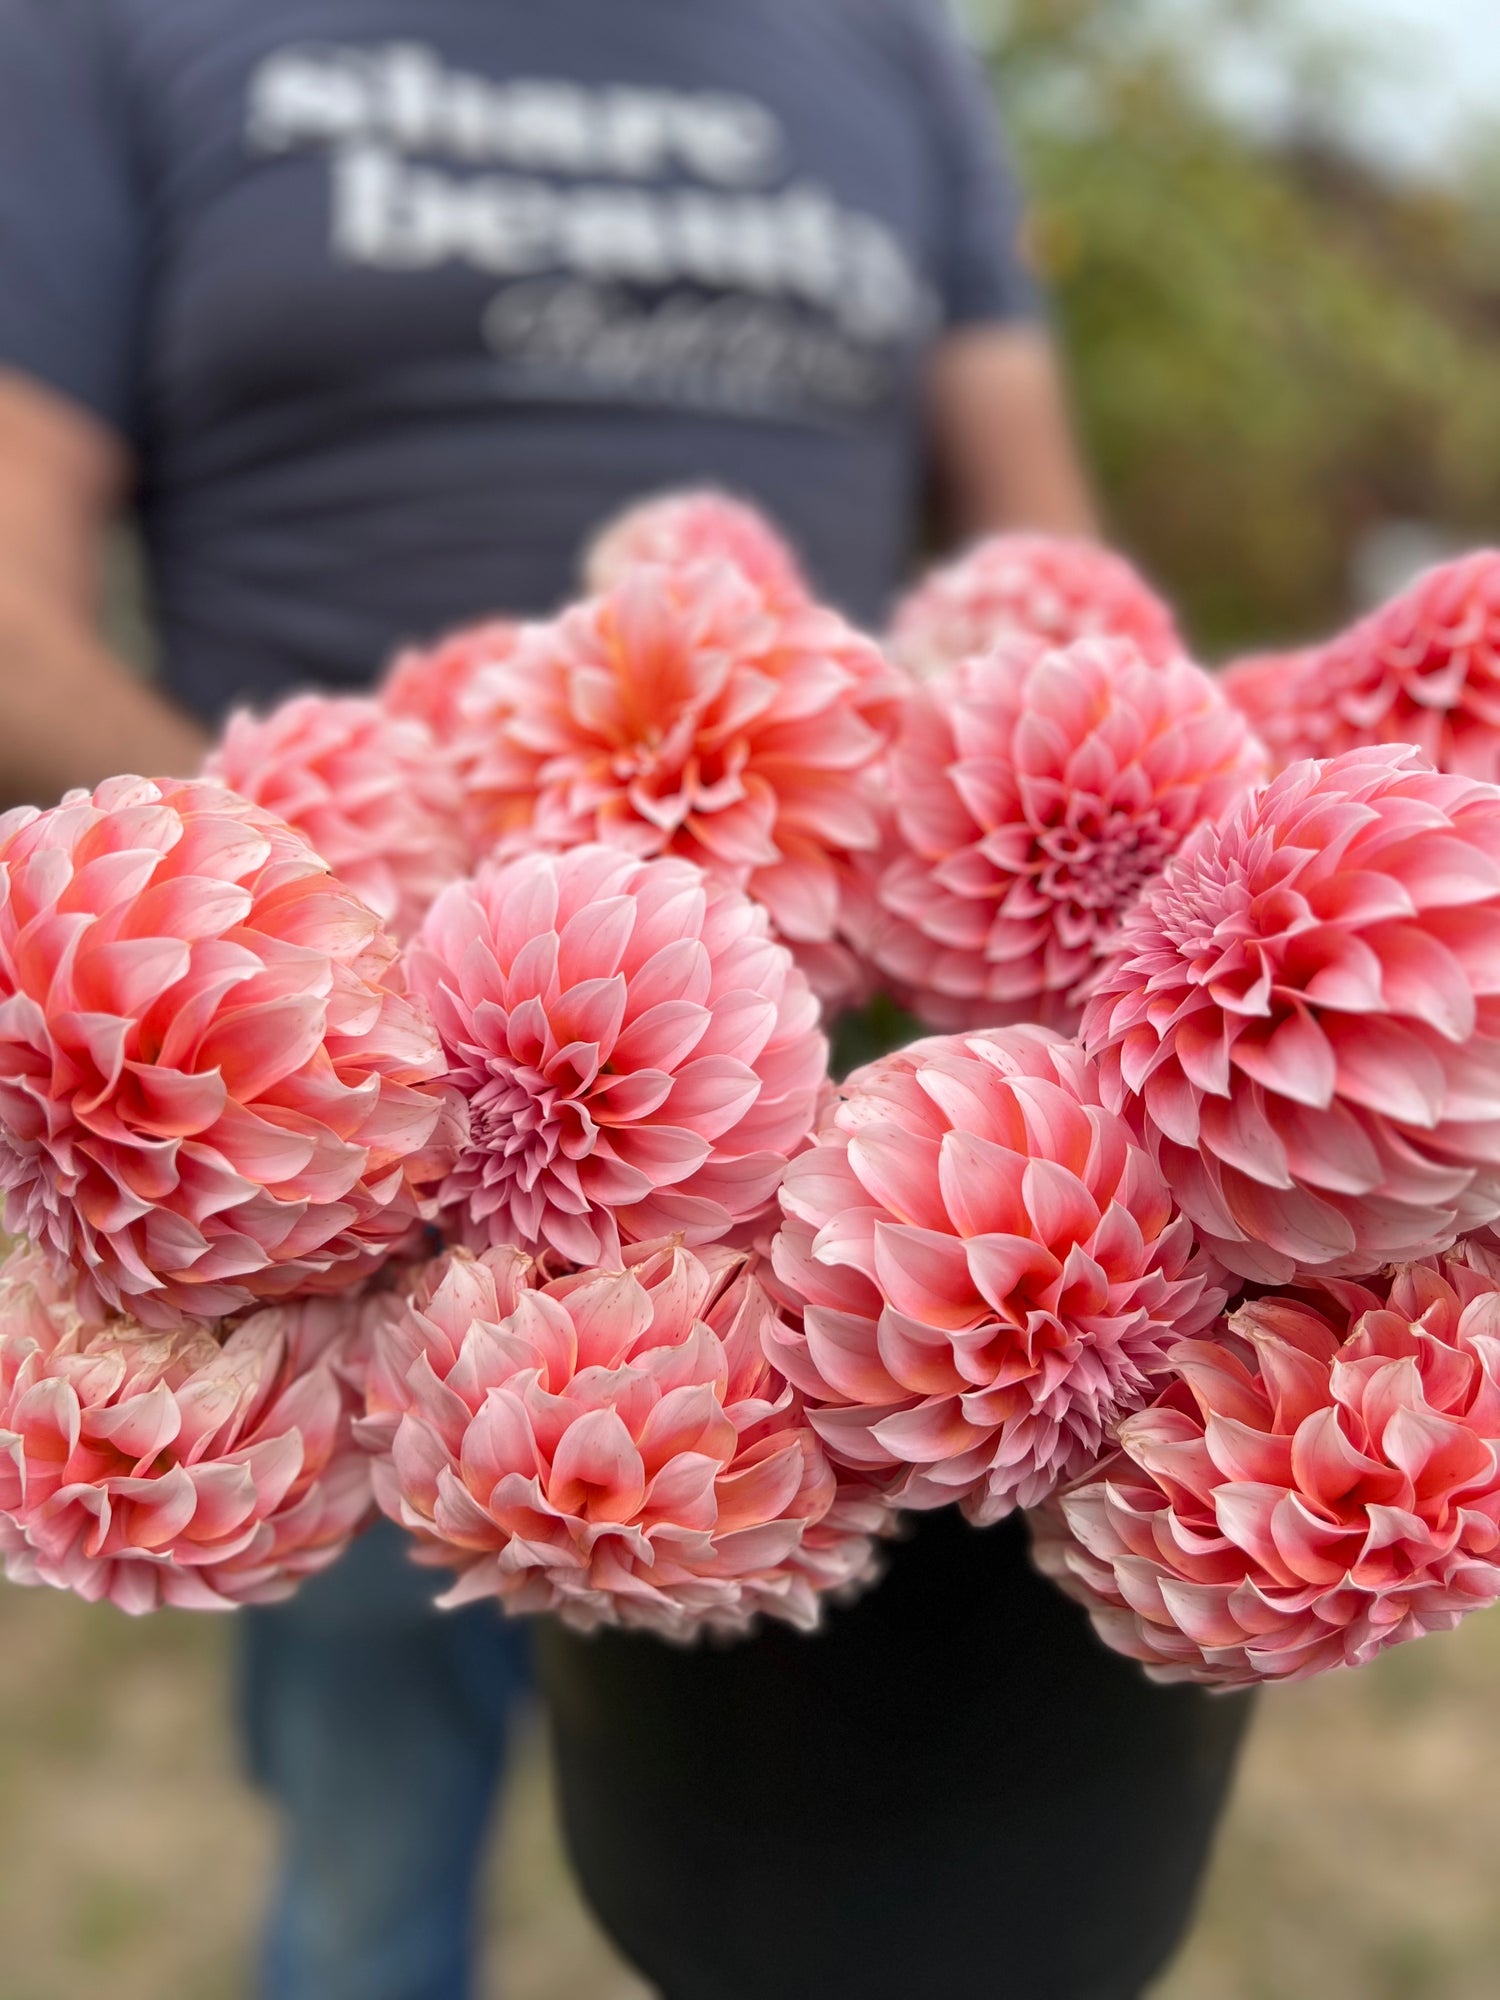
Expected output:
(203, 1467)
(637, 1055)
(212, 1092)
(676, 714)
(694, 526)
(370, 791)
(1035, 792)
(1422, 669)
(990, 1269)
(1030, 586)
(1278, 695)
(612, 1445)
(1303, 1018)
(430, 684)
(1319, 1483)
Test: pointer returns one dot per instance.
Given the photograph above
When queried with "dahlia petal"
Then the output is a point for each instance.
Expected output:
(1296, 1059)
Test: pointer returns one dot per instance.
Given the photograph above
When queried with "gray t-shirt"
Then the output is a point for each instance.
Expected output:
(396, 301)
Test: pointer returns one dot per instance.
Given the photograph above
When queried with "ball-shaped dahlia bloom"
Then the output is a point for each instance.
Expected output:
(637, 1055)
(696, 525)
(371, 792)
(1045, 587)
(612, 1445)
(1035, 793)
(676, 714)
(1303, 1018)
(1423, 669)
(212, 1090)
(1320, 1482)
(990, 1269)
(1279, 696)
(203, 1467)
(429, 684)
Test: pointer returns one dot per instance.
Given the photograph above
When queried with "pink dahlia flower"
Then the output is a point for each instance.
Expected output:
(1423, 669)
(1035, 793)
(676, 714)
(1303, 1018)
(697, 526)
(1278, 695)
(211, 1091)
(430, 684)
(990, 1269)
(1030, 586)
(1317, 1485)
(202, 1467)
(611, 1445)
(371, 792)
(637, 1055)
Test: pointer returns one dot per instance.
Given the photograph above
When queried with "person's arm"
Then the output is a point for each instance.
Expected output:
(71, 711)
(1001, 448)
(1001, 437)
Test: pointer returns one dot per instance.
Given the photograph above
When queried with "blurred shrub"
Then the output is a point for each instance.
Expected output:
(1274, 348)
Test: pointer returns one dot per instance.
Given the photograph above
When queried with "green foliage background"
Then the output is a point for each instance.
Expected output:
(1272, 349)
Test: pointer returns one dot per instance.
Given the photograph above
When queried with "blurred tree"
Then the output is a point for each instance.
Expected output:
(1274, 347)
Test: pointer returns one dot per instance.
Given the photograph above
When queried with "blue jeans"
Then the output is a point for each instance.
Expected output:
(379, 1727)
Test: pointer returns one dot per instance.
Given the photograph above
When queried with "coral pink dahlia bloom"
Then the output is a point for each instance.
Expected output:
(202, 1467)
(1319, 1484)
(637, 1055)
(1030, 586)
(1423, 669)
(697, 526)
(677, 714)
(1279, 696)
(612, 1445)
(370, 791)
(990, 1269)
(1035, 793)
(430, 684)
(1303, 1018)
(211, 1092)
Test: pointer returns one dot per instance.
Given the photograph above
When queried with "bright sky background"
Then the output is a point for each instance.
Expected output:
(1425, 84)
(1430, 79)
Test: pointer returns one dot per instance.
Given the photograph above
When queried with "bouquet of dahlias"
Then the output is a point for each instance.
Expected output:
(430, 1109)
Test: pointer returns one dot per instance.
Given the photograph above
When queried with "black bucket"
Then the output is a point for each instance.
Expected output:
(953, 1792)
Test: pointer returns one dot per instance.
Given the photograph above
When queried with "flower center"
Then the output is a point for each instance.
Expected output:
(519, 1123)
(1100, 866)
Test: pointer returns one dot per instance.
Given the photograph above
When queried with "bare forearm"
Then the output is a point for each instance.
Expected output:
(1003, 439)
(72, 712)
(1036, 482)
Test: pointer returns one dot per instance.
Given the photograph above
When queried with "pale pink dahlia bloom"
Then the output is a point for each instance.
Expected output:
(202, 1467)
(676, 714)
(429, 684)
(637, 1055)
(694, 526)
(1030, 586)
(212, 1092)
(1320, 1482)
(1035, 793)
(371, 792)
(612, 1445)
(1303, 1018)
(1423, 669)
(990, 1269)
